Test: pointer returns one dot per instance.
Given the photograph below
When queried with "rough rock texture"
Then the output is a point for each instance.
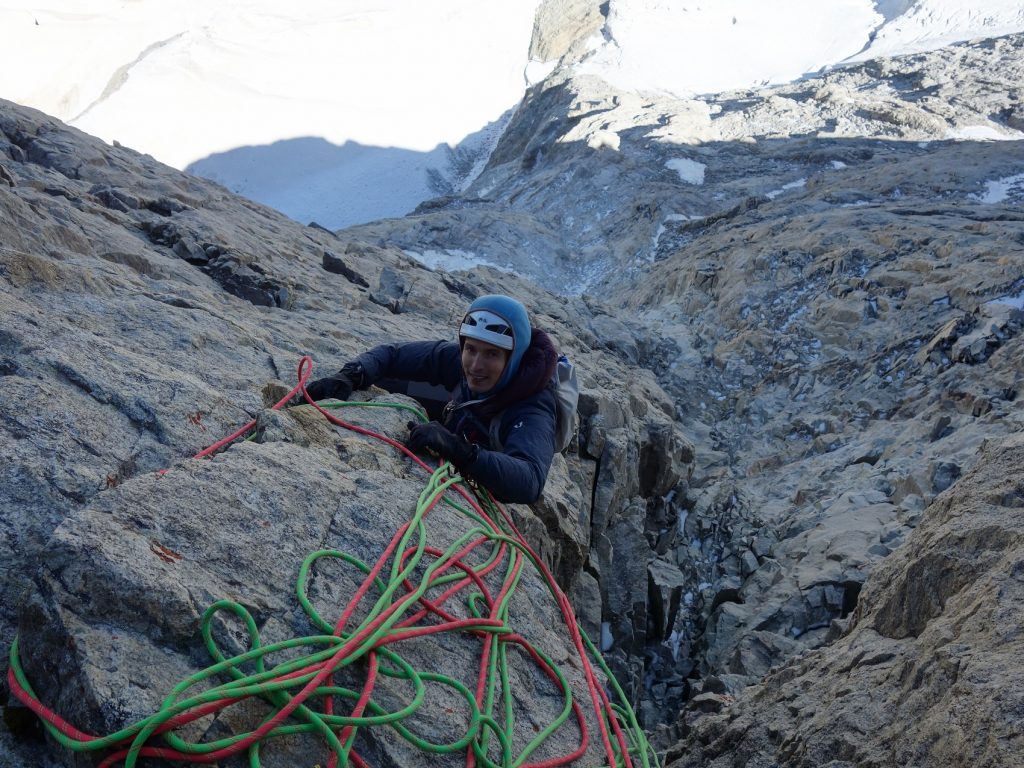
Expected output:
(928, 672)
(124, 580)
(613, 181)
(826, 277)
(797, 315)
(146, 314)
(851, 360)
(561, 28)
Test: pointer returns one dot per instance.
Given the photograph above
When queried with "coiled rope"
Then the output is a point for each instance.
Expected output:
(393, 595)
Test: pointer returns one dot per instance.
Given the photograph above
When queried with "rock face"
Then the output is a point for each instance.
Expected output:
(797, 317)
(561, 28)
(125, 580)
(146, 314)
(598, 184)
(826, 278)
(928, 673)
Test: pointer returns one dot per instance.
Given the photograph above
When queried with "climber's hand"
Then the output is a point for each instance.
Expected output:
(435, 439)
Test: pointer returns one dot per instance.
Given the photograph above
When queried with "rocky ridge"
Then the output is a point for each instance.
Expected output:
(148, 313)
(807, 330)
(827, 278)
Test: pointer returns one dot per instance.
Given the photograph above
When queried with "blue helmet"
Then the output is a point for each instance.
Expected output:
(503, 322)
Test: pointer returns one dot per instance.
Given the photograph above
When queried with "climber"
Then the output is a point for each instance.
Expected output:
(500, 368)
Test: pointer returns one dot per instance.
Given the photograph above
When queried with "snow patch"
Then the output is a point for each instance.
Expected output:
(690, 171)
(925, 25)
(1000, 190)
(983, 133)
(602, 139)
(252, 83)
(390, 83)
(688, 48)
(785, 188)
(536, 71)
(453, 260)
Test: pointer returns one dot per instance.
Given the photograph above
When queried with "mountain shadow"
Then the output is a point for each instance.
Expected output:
(311, 179)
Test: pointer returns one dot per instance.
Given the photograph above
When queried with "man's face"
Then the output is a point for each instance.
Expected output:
(483, 364)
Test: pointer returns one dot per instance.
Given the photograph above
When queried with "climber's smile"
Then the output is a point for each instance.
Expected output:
(482, 364)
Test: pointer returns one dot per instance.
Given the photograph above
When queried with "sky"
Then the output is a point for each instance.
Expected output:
(333, 111)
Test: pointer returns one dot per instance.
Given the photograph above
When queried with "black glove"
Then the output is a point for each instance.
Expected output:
(435, 438)
(339, 386)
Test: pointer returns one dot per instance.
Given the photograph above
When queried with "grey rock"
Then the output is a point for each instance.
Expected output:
(335, 264)
(944, 474)
(789, 370)
(123, 580)
(914, 672)
(136, 330)
(561, 28)
(666, 584)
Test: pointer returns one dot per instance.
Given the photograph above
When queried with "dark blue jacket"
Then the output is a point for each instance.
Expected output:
(515, 473)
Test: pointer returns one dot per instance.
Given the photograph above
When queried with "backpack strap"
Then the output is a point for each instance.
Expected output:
(494, 431)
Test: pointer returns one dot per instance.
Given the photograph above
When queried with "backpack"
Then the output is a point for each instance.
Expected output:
(567, 398)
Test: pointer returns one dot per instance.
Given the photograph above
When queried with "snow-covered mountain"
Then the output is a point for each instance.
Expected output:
(346, 112)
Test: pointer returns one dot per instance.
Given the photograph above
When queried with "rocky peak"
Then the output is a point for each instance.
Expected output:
(148, 313)
(797, 317)
(825, 277)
